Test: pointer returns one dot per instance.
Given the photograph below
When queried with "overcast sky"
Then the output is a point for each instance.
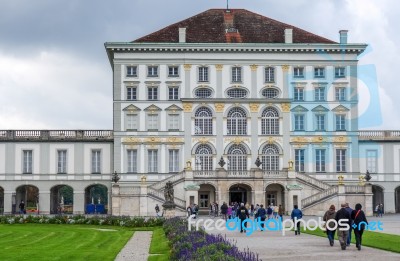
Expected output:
(54, 71)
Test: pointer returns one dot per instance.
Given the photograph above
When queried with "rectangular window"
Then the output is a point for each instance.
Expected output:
(132, 161)
(173, 160)
(298, 72)
(203, 74)
(299, 122)
(96, 161)
(340, 94)
(372, 159)
(340, 122)
(298, 94)
(269, 74)
(152, 93)
(173, 122)
(152, 71)
(27, 162)
(320, 160)
(131, 93)
(173, 93)
(236, 74)
(152, 160)
(319, 94)
(173, 71)
(204, 200)
(131, 122)
(341, 160)
(299, 160)
(319, 72)
(340, 72)
(131, 71)
(152, 122)
(62, 161)
(320, 121)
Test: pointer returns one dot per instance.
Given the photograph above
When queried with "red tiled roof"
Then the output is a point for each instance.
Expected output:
(245, 27)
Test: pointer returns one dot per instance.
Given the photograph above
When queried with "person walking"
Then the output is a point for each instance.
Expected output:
(269, 212)
(380, 210)
(349, 210)
(281, 212)
(360, 222)
(276, 211)
(262, 214)
(242, 214)
(296, 215)
(189, 211)
(344, 226)
(229, 212)
(157, 209)
(224, 210)
(22, 207)
(330, 232)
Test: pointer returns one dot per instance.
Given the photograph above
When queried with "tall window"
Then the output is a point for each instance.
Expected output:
(237, 158)
(270, 157)
(298, 94)
(173, 122)
(372, 157)
(131, 93)
(340, 94)
(152, 121)
(340, 72)
(237, 122)
(341, 160)
(152, 93)
(152, 71)
(203, 121)
(96, 161)
(320, 121)
(173, 160)
(320, 160)
(299, 160)
(319, 94)
(270, 122)
(203, 157)
(173, 93)
(299, 122)
(27, 161)
(203, 74)
(269, 74)
(340, 122)
(173, 71)
(131, 122)
(236, 74)
(62, 161)
(132, 161)
(152, 160)
(298, 72)
(319, 72)
(131, 71)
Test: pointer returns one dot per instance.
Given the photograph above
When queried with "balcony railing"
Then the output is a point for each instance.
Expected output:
(379, 135)
(354, 189)
(38, 135)
(204, 173)
(240, 173)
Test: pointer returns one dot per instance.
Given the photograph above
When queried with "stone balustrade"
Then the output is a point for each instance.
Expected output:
(57, 135)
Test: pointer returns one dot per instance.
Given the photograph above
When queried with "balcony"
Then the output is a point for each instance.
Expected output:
(254, 173)
(56, 135)
(379, 135)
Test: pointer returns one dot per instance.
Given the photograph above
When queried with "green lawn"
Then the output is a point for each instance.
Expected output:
(159, 248)
(372, 239)
(61, 242)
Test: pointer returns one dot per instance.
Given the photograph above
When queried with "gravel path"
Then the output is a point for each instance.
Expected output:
(137, 247)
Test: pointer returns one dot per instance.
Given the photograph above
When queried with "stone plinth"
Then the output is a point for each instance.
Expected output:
(169, 213)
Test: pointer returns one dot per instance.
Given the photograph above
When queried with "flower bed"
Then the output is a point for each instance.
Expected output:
(198, 245)
(79, 219)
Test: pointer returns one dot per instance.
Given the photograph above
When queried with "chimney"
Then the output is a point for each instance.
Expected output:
(288, 35)
(343, 36)
(182, 35)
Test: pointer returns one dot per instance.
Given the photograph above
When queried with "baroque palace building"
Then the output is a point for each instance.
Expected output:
(230, 106)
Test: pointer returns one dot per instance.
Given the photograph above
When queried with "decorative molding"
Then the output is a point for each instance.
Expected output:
(131, 140)
(285, 107)
(173, 108)
(152, 108)
(285, 67)
(300, 139)
(319, 139)
(253, 67)
(131, 108)
(219, 67)
(237, 140)
(174, 140)
(340, 109)
(219, 107)
(187, 107)
(187, 67)
(299, 108)
(202, 140)
(254, 107)
(340, 139)
(153, 140)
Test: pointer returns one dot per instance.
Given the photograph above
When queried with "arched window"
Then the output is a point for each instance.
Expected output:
(203, 157)
(203, 121)
(270, 157)
(270, 122)
(237, 122)
(270, 93)
(237, 158)
(203, 93)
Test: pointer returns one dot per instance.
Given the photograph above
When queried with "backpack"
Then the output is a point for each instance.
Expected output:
(269, 211)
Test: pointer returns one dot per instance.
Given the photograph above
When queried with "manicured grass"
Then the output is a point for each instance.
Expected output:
(159, 248)
(61, 242)
(371, 239)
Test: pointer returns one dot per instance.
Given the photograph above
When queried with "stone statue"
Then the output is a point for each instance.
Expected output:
(169, 196)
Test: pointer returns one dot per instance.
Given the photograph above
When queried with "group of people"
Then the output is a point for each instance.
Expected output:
(379, 210)
(349, 218)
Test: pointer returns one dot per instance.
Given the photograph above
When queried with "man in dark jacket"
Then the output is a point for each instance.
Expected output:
(360, 221)
(224, 210)
(296, 215)
(343, 218)
(262, 214)
(349, 210)
(242, 214)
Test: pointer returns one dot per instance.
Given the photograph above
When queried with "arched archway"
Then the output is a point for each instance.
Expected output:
(397, 199)
(207, 196)
(1, 200)
(377, 197)
(240, 193)
(61, 199)
(96, 199)
(30, 195)
(275, 195)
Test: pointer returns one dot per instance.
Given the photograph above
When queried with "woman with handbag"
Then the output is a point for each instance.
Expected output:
(330, 215)
(360, 222)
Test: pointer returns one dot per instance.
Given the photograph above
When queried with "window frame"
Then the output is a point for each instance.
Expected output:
(269, 77)
(203, 122)
(63, 164)
(371, 160)
(237, 125)
(296, 122)
(27, 161)
(175, 96)
(174, 168)
(135, 74)
(319, 94)
(174, 118)
(299, 160)
(320, 124)
(320, 160)
(131, 95)
(319, 72)
(132, 161)
(131, 120)
(152, 93)
(298, 72)
(96, 159)
(203, 74)
(297, 92)
(340, 93)
(236, 74)
(152, 159)
(152, 71)
(342, 122)
(340, 72)
(340, 160)
(173, 67)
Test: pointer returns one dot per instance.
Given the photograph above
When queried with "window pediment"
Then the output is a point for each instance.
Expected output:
(320, 108)
(152, 108)
(174, 107)
(298, 108)
(131, 108)
(340, 108)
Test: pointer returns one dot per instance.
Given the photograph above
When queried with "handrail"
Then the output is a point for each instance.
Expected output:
(174, 178)
(316, 182)
(160, 195)
(319, 196)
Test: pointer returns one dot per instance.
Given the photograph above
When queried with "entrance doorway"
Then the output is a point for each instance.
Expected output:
(240, 193)
(274, 195)
(96, 199)
(30, 195)
(377, 197)
(61, 199)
